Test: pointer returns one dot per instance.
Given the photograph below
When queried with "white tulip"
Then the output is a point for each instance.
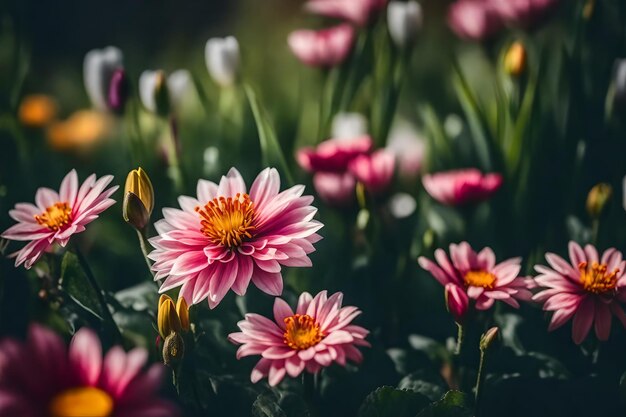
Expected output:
(178, 85)
(349, 126)
(222, 59)
(404, 20)
(98, 68)
(402, 205)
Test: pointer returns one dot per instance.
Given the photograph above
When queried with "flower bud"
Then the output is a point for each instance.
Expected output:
(404, 21)
(457, 302)
(515, 59)
(598, 198)
(182, 309)
(98, 69)
(488, 338)
(153, 92)
(119, 91)
(138, 199)
(173, 349)
(168, 321)
(222, 60)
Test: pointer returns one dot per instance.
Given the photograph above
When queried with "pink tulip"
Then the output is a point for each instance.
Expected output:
(474, 19)
(322, 48)
(457, 302)
(462, 186)
(359, 12)
(336, 189)
(374, 171)
(522, 12)
(333, 155)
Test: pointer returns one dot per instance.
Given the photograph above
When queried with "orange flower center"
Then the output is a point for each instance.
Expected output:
(480, 279)
(228, 221)
(302, 332)
(55, 216)
(595, 279)
(81, 402)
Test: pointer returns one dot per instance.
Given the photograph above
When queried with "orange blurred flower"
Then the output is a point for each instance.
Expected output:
(37, 110)
(81, 129)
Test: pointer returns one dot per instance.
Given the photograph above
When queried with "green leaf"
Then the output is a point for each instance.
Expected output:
(392, 402)
(266, 405)
(74, 282)
(453, 404)
(429, 384)
(270, 147)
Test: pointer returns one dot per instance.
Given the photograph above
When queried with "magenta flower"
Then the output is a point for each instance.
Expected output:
(478, 276)
(457, 302)
(523, 12)
(330, 162)
(462, 186)
(322, 48)
(374, 171)
(225, 237)
(41, 377)
(57, 216)
(359, 12)
(318, 334)
(587, 288)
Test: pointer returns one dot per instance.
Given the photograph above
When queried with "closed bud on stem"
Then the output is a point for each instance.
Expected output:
(488, 338)
(138, 199)
(182, 309)
(119, 91)
(168, 321)
(597, 199)
(515, 59)
(173, 349)
(457, 302)
(222, 60)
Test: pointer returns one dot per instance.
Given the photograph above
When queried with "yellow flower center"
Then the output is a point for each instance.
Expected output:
(228, 221)
(55, 216)
(480, 279)
(302, 332)
(596, 279)
(81, 402)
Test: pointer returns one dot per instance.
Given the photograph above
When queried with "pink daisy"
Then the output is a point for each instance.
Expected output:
(41, 377)
(57, 216)
(478, 276)
(318, 334)
(588, 288)
(462, 186)
(225, 237)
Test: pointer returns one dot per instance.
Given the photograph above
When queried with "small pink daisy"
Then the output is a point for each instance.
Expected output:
(478, 276)
(227, 237)
(588, 288)
(318, 334)
(57, 216)
(41, 377)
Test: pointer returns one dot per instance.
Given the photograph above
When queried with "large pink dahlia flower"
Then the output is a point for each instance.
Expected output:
(42, 378)
(318, 334)
(225, 237)
(587, 288)
(57, 216)
(477, 276)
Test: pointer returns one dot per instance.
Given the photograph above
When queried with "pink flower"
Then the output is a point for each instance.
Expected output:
(587, 288)
(225, 237)
(474, 19)
(374, 171)
(522, 12)
(57, 216)
(41, 377)
(407, 144)
(318, 334)
(329, 162)
(359, 12)
(462, 186)
(322, 48)
(478, 276)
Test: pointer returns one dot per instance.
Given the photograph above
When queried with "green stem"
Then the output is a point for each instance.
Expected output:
(99, 293)
(173, 157)
(595, 228)
(479, 382)
(460, 338)
(144, 249)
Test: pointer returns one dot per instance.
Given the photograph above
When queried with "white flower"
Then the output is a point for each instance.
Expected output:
(408, 145)
(349, 126)
(98, 68)
(402, 205)
(178, 85)
(222, 59)
(404, 21)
